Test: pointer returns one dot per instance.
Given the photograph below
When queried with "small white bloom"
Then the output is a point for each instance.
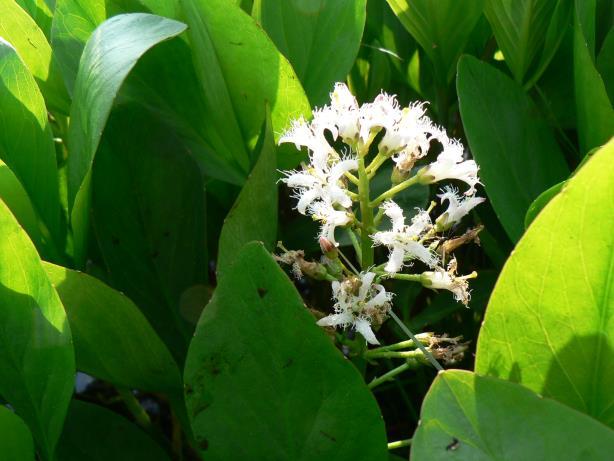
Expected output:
(410, 138)
(451, 165)
(402, 240)
(330, 218)
(301, 134)
(347, 113)
(383, 112)
(359, 303)
(458, 207)
(321, 181)
(441, 279)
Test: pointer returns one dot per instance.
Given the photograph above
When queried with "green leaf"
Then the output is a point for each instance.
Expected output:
(16, 198)
(550, 321)
(110, 54)
(94, 433)
(20, 29)
(441, 27)
(540, 202)
(595, 115)
(320, 38)
(260, 371)
(15, 438)
(154, 244)
(30, 157)
(514, 147)
(528, 32)
(40, 11)
(113, 341)
(468, 417)
(37, 366)
(240, 70)
(254, 214)
(605, 63)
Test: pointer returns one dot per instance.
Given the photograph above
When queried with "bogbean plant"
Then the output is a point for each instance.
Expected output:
(333, 187)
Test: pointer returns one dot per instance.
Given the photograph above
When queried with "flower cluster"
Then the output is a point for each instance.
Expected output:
(333, 188)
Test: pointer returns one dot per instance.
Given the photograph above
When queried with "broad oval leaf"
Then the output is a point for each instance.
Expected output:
(37, 364)
(514, 147)
(283, 389)
(254, 214)
(30, 157)
(20, 29)
(441, 27)
(550, 321)
(240, 71)
(110, 54)
(154, 244)
(320, 38)
(112, 339)
(528, 32)
(468, 417)
(594, 112)
(15, 438)
(540, 202)
(94, 433)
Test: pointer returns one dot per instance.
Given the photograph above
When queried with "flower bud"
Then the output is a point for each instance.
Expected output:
(328, 247)
(398, 176)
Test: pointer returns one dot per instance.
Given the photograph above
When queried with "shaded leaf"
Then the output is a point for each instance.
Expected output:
(550, 321)
(468, 417)
(320, 38)
(254, 214)
(37, 367)
(94, 433)
(512, 144)
(595, 115)
(15, 438)
(441, 27)
(154, 244)
(283, 390)
(113, 341)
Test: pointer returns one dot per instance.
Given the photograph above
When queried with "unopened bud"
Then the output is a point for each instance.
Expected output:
(328, 247)
(398, 176)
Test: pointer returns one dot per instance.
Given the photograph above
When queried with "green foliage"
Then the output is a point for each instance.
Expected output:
(319, 38)
(549, 324)
(37, 364)
(462, 421)
(16, 440)
(283, 378)
(517, 153)
(138, 167)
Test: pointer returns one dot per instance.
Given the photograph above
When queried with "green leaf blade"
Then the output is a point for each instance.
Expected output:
(550, 321)
(276, 383)
(37, 367)
(514, 147)
(15, 438)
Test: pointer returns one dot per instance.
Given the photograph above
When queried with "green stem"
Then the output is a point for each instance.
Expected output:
(366, 214)
(134, 407)
(407, 277)
(378, 161)
(424, 338)
(416, 354)
(389, 375)
(395, 190)
(406, 330)
(355, 244)
(399, 444)
(353, 179)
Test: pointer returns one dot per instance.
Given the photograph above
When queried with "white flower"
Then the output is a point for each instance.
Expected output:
(447, 280)
(383, 112)
(451, 165)
(346, 112)
(402, 240)
(321, 181)
(410, 138)
(458, 207)
(330, 218)
(359, 303)
(301, 134)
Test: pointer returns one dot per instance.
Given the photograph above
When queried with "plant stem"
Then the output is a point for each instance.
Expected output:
(366, 214)
(415, 354)
(407, 277)
(353, 179)
(378, 161)
(427, 354)
(399, 444)
(424, 338)
(134, 407)
(395, 190)
(355, 244)
(389, 375)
